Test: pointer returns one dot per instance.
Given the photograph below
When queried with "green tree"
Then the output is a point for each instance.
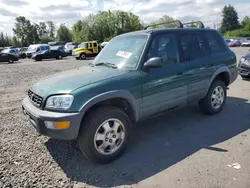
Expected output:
(245, 21)
(15, 42)
(105, 25)
(229, 19)
(64, 34)
(164, 19)
(34, 33)
(42, 29)
(5, 40)
(23, 30)
(51, 28)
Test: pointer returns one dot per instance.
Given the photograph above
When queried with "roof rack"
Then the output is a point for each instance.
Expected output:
(199, 22)
(178, 23)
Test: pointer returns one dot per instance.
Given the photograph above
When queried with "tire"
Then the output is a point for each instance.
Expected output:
(93, 126)
(11, 61)
(206, 104)
(60, 57)
(83, 56)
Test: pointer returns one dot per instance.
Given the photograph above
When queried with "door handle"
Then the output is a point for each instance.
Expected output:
(179, 73)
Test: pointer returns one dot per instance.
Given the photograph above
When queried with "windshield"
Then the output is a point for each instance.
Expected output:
(32, 48)
(82, 45)
(123, 51)
(6, 51)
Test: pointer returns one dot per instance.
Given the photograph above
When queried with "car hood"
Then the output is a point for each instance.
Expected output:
(67, 81)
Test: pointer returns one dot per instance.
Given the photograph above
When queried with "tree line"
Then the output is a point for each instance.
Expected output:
(230, 25)
(105, 25)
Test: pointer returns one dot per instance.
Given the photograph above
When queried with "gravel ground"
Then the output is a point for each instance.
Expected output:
(166, 151)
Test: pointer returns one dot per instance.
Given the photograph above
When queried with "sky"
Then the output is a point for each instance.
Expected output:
(69, 11)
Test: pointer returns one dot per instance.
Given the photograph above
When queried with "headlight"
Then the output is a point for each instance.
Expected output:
(59, 102)
(245, 61)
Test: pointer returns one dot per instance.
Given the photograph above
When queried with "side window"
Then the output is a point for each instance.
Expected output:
(89, 45)
(12, 51)
(95, 45)
(164, 46)
(203, 45)
(215, 42)
(190, 47)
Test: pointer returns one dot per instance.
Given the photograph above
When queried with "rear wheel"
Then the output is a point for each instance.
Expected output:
(60, 57)
(11, 61)
(83, 56)
(215, 99)
(104, 134)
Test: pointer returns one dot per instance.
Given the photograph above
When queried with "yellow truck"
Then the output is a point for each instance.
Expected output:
(86, 49)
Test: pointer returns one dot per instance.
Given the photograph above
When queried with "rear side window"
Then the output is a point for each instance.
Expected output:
(203, 45)
(190, 47)
(215, 42)
(95, 45)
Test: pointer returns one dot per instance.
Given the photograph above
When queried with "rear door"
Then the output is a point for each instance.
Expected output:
(95, 48)
(195, 55)
(219, 51)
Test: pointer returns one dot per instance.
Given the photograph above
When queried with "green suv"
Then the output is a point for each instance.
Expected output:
(137, 75)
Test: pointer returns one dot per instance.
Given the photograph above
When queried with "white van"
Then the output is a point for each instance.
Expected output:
(34, 48)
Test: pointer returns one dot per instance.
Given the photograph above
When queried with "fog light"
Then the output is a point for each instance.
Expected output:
(57, 125)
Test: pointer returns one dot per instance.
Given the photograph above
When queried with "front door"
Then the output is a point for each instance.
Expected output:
(4, 57)
(164, 87)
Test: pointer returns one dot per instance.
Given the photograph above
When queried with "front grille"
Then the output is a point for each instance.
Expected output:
(36, 99)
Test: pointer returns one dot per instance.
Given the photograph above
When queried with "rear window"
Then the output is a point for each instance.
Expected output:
(215, 42)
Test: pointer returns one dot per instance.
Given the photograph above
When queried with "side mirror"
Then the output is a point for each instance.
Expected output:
(153, 62)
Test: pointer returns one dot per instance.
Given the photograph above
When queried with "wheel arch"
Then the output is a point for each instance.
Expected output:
(223, 74)
(122, 99)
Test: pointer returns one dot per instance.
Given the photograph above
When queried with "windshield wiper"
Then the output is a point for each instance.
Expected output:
(112, 65)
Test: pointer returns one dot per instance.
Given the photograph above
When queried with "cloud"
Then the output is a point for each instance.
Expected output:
(4, 12)
(69, 11)
(13, 2)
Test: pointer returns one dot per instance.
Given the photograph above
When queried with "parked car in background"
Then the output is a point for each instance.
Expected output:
(234, 43)
(69, 47)
(7, 57)
(246, 42)
(22, 52)
(244, 66)
(13, 51)
(1, 49)
(103, 44)
(228, 40)
(36, 48)
(86, 49)
(48, 54)
(60, 48)
(57, 43)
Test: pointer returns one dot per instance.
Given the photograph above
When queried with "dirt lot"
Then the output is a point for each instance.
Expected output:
(183, 148)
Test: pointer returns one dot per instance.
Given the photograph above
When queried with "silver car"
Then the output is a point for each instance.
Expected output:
(13, 51)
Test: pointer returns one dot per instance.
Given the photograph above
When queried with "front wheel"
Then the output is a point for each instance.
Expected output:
(104, 134)
(11, 61)
(215, 99)
(83, 56)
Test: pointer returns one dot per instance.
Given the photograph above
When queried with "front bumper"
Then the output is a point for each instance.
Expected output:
(244, 70)
(37, 117)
